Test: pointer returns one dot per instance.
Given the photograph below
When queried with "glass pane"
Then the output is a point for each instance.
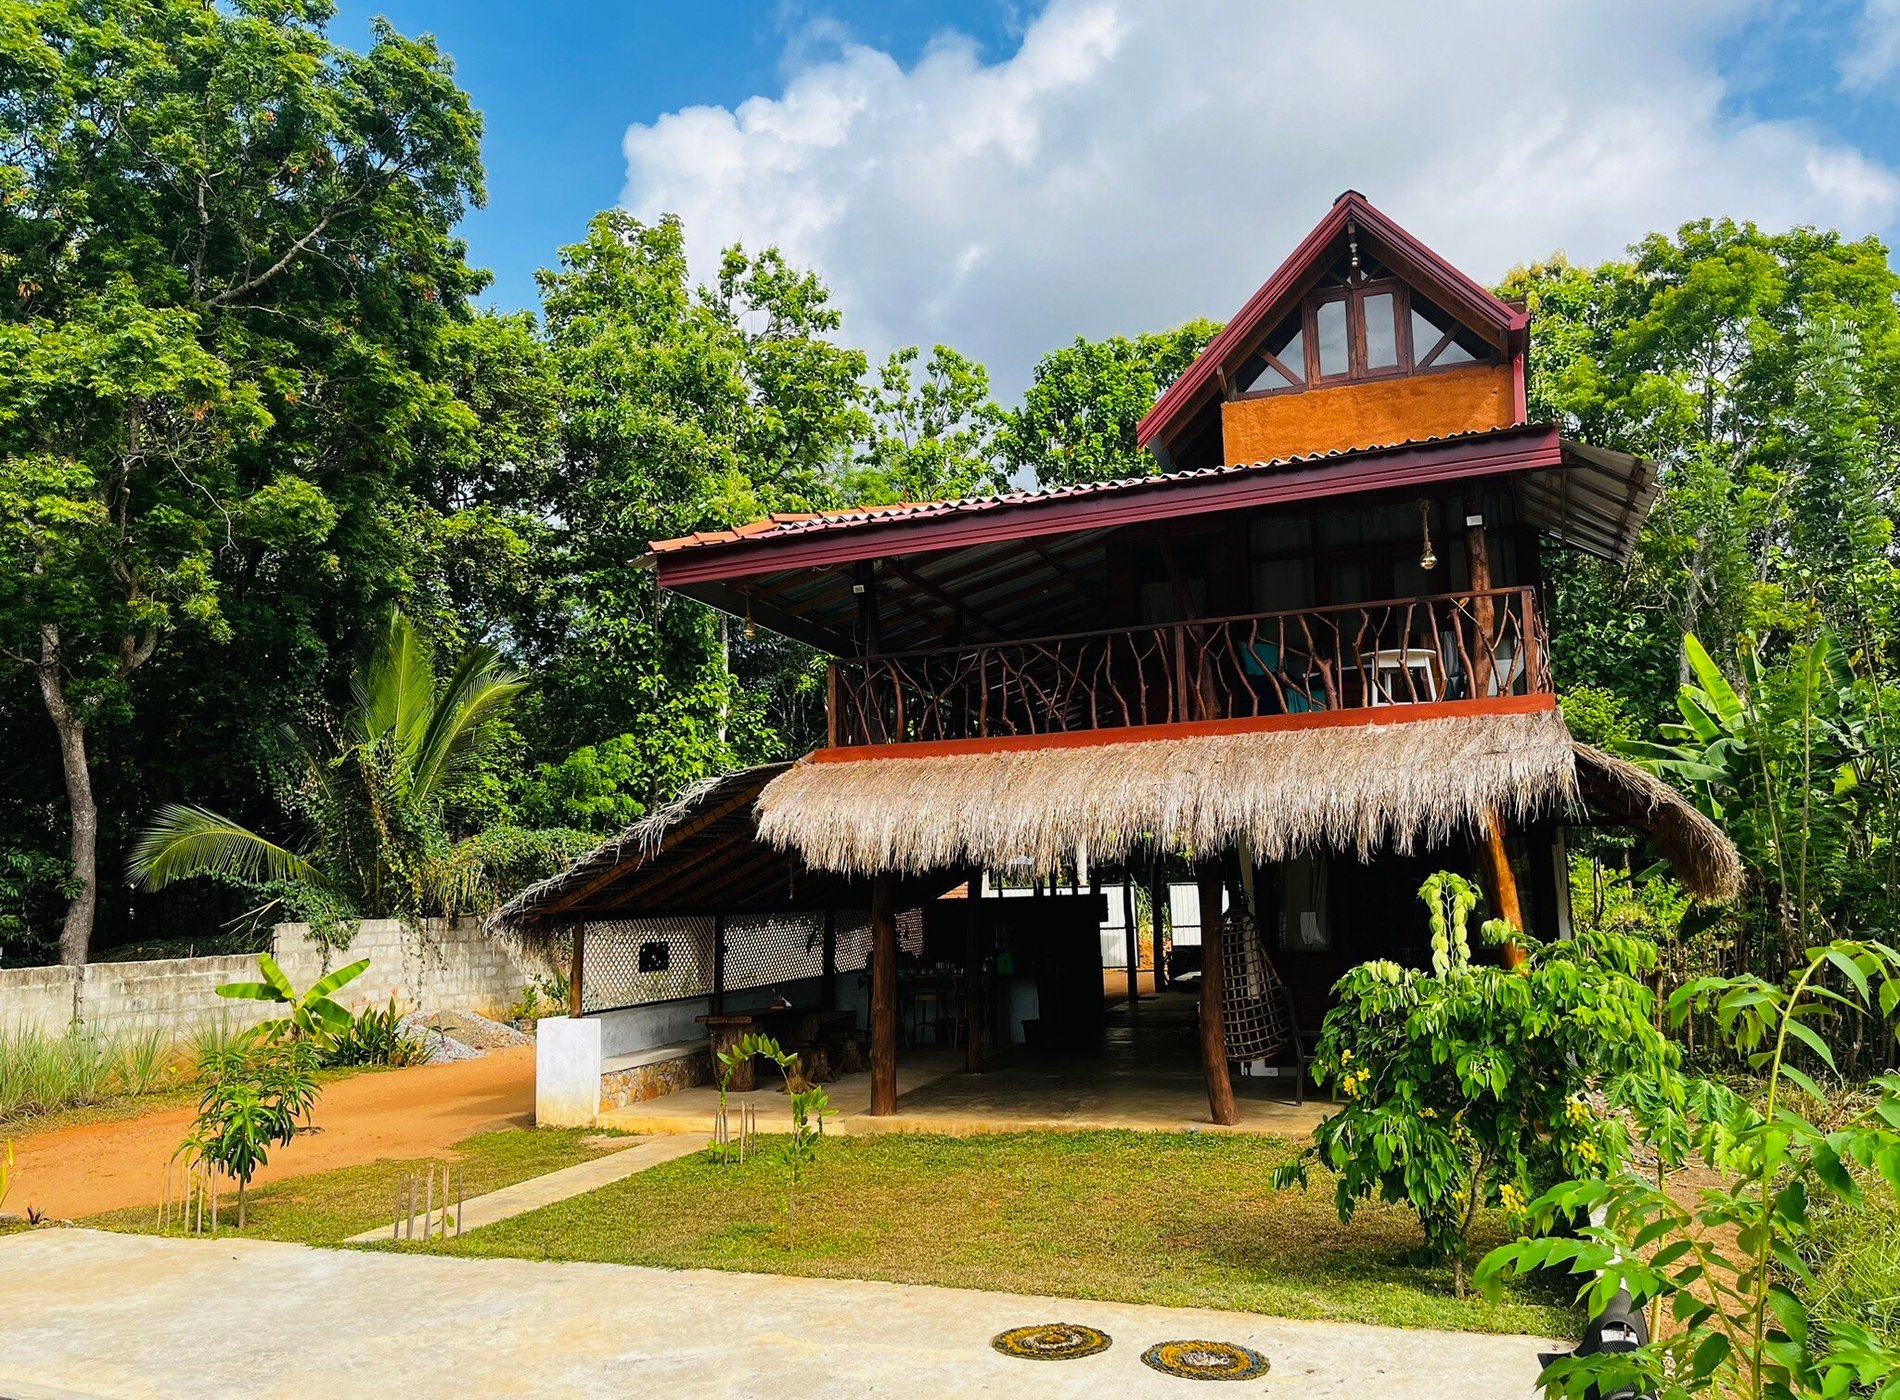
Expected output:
(1282, 585)
(1288, 345)
(1338, 527)
(1382, 330)
(1256, 375)
(1454, 354)
(1351, 582)
(1329, 325)
(1425, 336)
(1273, 533)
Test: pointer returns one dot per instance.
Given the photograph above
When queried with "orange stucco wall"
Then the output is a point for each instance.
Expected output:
(1377, 413)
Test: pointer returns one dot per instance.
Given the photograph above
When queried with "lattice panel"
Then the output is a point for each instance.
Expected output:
(774, 949)
(854, 936)
(629, 962)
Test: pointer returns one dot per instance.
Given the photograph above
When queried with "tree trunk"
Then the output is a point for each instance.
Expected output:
(75, 935)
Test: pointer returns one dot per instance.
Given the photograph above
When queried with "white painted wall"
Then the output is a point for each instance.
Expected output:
(567, 1067)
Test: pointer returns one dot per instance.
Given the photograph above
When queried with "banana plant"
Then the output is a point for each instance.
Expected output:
(313, 1015)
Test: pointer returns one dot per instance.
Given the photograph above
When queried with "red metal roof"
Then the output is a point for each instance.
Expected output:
(1463, 298)
(778, 529)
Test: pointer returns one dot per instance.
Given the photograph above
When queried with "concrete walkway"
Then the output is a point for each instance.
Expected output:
(538, 1191)
(128, 1316)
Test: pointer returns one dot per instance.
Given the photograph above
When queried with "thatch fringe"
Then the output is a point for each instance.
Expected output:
(1700, 855)
(1350, 787)
(638, 843)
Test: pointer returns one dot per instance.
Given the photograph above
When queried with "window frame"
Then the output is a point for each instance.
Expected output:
(1356, 371)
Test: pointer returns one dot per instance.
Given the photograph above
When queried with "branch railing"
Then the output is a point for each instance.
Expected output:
(1406, 651)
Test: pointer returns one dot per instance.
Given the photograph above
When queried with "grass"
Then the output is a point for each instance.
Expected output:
(329, 1207)
(1184, 1219)
(43, 1073)
(1854, 1252)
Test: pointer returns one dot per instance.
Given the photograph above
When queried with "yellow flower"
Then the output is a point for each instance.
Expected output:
(1587, 1151)
(1428, 1113)
(1510, 1197)
(1577, 1112)
(1345, 1057)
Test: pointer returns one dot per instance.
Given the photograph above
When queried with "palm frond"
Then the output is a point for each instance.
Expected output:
(478, 690)
(183, 841)
(394, 686)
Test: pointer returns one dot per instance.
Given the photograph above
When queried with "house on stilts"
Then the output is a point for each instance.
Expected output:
(1308, 661)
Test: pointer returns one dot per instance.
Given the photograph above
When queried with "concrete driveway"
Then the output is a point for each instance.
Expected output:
(89, 1314)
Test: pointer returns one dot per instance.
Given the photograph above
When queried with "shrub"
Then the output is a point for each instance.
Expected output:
(376, 1037)
(1469, 1085)
(251, 1095)
(1730, 1267)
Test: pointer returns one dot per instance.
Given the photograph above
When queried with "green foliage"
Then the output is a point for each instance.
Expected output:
(374, 1036)
(250, 1096)
(597, 787)
(1078, 417)
(808, 1104)
(43, 1073)
(375, 781)
(229, 253)
(1731, 1268)
(1469, 1086)
(931, 438)
(312, 1015)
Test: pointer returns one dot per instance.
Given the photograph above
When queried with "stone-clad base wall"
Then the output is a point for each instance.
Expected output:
(436, 966)
(620, 1087)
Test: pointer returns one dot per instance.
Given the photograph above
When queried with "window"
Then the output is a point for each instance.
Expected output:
(1329, 334)
(1380, 327)
(1379, 313)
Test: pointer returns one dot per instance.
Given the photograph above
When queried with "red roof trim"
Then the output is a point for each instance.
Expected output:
(1467, 299)
(987, 520)
(1379, 716)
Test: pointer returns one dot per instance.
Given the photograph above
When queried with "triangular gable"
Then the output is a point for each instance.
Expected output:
(1352, 218)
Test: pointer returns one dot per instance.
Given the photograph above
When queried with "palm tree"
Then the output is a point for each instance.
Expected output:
(375, 781)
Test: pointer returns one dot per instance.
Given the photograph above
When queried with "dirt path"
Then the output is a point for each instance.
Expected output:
(93, 1167)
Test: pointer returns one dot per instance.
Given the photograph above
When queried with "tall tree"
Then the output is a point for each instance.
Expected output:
(230, 246)
(932, 435)
(1078, 417)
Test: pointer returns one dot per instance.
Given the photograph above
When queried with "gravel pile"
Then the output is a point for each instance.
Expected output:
(462, 1035)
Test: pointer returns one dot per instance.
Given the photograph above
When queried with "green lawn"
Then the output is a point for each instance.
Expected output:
(1175, 1218)
(328, 1207)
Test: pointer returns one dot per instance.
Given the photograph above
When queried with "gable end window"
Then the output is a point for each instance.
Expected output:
(1376, 330)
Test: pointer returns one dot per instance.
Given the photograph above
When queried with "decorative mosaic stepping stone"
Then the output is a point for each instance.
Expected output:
(1051, 1341)
(1206, 1361)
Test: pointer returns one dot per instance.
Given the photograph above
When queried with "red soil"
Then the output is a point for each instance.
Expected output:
(92, 1167)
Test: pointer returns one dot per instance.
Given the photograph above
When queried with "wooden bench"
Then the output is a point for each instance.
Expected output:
(816, 1035)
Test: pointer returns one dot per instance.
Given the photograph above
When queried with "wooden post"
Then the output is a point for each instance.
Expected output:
(828, 990)
(1478, 554)
(1220, 1089)
(1134, 939)
(1160, 913)
(1500, 884)
(976, 1002)
(883, 995)
(719, 964)
(576, 961)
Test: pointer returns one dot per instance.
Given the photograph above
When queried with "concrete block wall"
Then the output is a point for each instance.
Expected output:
(432, 965)
(435, 967)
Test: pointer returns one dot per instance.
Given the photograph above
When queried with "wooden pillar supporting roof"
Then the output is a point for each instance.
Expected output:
(883, 995)
(1220, 1088)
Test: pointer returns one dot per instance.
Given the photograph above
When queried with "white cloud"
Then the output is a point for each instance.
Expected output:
(1874, 57)
(1137, 162)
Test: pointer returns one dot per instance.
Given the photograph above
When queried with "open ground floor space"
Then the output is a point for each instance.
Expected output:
(100, 1315)
(1140, 1068)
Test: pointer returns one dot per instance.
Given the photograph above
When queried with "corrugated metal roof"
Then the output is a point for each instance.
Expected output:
(791, 524)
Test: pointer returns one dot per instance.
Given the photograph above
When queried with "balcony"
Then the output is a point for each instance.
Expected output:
(1360, 656)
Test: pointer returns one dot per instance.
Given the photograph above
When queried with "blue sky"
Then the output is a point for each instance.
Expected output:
(559, 82)
(1004, 177)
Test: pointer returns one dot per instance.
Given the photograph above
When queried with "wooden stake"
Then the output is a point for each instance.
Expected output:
(883, 995)
(1220, 1088)
(577, 955)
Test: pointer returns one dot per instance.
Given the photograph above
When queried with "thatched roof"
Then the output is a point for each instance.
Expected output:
(717, 810)
(1702, 858)
(809, 834)
(1357, 787)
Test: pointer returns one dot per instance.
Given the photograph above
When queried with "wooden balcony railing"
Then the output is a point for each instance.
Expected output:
(1407, 651)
